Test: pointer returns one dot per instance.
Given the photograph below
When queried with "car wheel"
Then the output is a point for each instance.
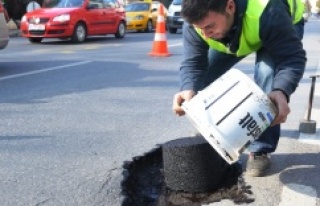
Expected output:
(149, 26)
(35, 39)
(79, 33)
(172, 30)
(121, 32)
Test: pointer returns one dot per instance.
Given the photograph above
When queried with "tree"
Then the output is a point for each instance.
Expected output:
(17, 8)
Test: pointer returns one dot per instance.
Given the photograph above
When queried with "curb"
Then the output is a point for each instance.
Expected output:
(14, 28)
(14, 33)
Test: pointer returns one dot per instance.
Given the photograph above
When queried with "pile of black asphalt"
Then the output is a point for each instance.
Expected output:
(144, 185)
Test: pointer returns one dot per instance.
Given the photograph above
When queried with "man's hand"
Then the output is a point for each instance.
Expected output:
(280, 101)
(179, 98)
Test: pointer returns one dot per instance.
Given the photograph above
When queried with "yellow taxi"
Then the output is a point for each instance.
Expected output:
(142, 15)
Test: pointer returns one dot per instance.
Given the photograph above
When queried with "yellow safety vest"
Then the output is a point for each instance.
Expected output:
(249, 37)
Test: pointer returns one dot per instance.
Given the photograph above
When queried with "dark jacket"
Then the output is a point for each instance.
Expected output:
(278, 37)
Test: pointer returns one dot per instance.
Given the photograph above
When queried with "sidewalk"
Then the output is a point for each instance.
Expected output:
(13, 26)
(14, 33)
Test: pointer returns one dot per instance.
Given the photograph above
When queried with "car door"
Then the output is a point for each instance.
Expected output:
(110, 15)
(95, 17)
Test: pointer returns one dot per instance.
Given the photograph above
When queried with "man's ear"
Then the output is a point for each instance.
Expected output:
(231, 7)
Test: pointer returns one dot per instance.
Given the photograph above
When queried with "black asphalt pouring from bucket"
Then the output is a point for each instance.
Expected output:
(145, 184)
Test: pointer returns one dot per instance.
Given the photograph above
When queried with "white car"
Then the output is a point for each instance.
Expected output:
(4, 31)
(174, 18)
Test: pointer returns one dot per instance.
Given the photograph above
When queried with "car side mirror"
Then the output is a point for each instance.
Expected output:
(154, 9)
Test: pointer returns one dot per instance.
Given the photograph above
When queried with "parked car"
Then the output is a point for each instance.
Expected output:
(174, 18)
(142, 16)
(74, 19)
(4, 31)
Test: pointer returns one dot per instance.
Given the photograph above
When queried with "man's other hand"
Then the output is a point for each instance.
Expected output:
(280, 101)
(179, 98)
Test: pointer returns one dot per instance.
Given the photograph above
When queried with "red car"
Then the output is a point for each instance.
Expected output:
(74, 19)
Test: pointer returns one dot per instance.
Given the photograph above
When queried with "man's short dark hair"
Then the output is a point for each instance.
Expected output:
(195, 10)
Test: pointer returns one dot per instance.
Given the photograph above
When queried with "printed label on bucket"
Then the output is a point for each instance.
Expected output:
(230, 113)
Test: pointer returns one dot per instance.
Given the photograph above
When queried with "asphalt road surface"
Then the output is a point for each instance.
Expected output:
(70, 115)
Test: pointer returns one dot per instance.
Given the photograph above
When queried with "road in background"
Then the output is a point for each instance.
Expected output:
(72, 114)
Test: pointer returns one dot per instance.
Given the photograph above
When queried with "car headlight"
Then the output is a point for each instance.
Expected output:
(24, 19)
(139, 17)
(62, 18)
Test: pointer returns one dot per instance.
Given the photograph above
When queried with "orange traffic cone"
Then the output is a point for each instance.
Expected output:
(160, 48)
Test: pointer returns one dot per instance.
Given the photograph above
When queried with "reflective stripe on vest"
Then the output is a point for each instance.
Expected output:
(249, 37)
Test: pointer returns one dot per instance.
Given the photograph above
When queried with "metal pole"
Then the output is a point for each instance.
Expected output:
(313, 78)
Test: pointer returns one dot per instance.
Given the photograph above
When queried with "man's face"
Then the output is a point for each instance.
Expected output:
(217, 25)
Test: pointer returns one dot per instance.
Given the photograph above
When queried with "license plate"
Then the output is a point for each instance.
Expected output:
(37, 27)
(180, 19)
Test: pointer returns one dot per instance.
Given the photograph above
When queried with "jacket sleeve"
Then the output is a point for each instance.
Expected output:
(195, 62)
(282, 42)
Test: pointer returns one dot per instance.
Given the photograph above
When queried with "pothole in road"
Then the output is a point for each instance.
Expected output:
(144, 185)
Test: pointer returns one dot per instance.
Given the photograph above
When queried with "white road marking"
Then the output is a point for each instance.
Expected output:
(43, 70)
(173, 45)
(295, 194)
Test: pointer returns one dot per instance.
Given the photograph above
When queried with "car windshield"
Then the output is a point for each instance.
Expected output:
(137, 7)
(62, 3)
(177, 2)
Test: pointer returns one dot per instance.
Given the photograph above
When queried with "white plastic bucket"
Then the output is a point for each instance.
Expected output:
(230, 113)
